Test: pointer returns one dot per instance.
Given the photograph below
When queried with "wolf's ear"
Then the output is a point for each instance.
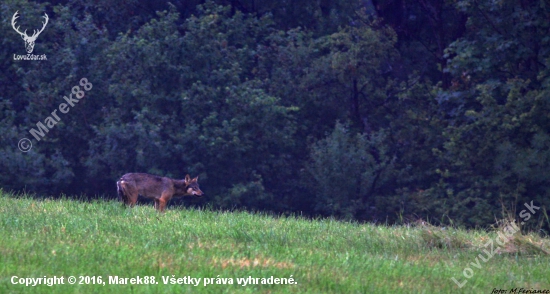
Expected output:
(187, 178)
(196, 179)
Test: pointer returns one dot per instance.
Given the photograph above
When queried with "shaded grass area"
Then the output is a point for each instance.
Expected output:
(102, 238)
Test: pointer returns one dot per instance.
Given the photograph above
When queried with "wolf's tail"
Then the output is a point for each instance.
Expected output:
(122, 197)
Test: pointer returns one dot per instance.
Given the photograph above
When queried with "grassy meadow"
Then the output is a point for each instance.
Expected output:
(66, 237)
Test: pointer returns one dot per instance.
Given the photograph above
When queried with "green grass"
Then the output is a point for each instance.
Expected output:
(73, 238)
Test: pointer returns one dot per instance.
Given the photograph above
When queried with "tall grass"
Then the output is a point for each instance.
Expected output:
(102, 238)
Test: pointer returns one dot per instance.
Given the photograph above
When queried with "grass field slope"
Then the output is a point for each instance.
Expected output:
(103, 247)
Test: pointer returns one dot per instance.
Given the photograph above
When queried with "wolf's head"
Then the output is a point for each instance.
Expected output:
(193, 186)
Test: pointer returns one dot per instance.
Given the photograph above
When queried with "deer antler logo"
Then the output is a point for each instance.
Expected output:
(29, 40)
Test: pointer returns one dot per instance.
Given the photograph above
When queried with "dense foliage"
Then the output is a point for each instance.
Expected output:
(368, 110)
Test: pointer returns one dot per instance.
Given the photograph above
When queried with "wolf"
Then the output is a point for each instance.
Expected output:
(160, 189)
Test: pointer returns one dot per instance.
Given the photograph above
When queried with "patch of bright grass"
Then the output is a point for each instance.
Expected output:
(104, 239)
